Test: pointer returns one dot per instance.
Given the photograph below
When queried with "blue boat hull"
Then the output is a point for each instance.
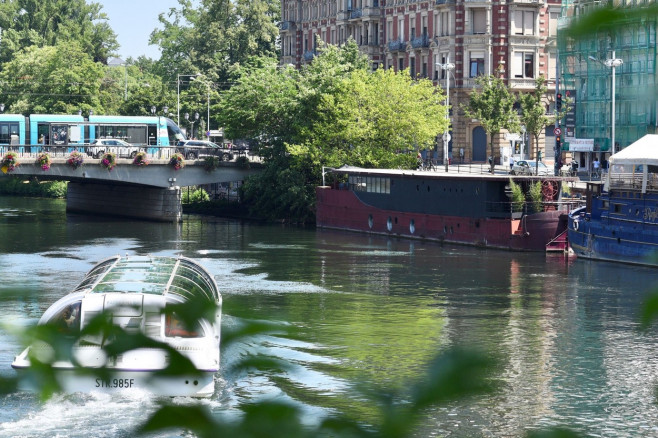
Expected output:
(628, 238)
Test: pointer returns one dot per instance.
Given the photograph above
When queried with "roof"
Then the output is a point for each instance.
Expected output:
(151, 275)
(643, 151)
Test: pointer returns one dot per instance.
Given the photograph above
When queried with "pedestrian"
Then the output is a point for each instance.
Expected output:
(596, 166)
(511, 162)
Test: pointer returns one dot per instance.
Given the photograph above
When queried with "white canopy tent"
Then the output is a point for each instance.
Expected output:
(643, 152)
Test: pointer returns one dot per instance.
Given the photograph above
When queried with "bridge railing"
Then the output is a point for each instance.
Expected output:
(92, 151)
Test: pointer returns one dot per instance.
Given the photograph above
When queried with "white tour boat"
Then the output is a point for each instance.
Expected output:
(135, 292)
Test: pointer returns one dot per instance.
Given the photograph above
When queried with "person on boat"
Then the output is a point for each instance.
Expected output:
(68, 320)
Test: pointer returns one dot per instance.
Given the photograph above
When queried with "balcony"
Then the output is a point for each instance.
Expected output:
(421, 41)
(287, 25)
(397, 46)
(356, 13)
(343, 15)
(371, 11)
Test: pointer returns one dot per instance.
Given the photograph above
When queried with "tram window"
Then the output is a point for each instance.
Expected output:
(6, 131)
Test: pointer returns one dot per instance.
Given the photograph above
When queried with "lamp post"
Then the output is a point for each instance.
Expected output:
(196, 117)
(178, 93)
(447, 67)
(611, 63)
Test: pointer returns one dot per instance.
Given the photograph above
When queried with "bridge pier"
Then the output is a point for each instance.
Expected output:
(139, 202)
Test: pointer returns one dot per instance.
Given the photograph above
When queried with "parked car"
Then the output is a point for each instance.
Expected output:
(121, 148)
(193, 149)
(527, 167)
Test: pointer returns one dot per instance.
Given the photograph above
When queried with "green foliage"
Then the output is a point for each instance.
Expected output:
(493, 106)
(43, 23)
(518, 198)
(216, 37)
(210, 163)
(328, 114)
(194, 196)
(33, 187)
(536, 196)
(52, 79)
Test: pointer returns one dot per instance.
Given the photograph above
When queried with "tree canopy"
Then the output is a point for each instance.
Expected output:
(492, 104)
(332, 112)
(42, 23)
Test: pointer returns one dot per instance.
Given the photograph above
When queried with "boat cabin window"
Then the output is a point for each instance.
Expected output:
(371, 184)
(68, 320)
(174, 327)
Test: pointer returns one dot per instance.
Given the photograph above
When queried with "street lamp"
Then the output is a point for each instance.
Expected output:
(447, 67)
(612, 63)
(196, 117)
(178, 93)
(153, 108)
(2, 107)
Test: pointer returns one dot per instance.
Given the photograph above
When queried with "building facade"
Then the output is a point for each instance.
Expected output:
(514, 37)
(586, 72)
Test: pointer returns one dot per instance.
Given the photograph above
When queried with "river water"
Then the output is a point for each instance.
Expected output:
(368, 309)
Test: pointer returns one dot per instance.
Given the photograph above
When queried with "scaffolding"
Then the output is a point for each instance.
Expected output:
(582, 69)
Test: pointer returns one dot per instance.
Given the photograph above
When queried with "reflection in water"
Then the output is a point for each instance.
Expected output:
(365, 310)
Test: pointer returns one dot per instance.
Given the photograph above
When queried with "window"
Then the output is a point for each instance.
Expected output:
(552, 23)
(524, 23)
(401, 29)
(412, 67)
(6, 131)
(400, 64)
(476, 65)
(523, 65)
(479, 17)
(443, 24)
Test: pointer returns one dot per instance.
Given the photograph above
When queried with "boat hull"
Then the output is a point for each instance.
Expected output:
(342, 209)
(124, 381)
(625, 241)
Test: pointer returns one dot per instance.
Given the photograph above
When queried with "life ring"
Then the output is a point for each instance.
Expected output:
(575, 225)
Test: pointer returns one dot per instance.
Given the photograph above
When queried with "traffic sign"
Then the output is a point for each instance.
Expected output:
(446, 136)
(557, 131)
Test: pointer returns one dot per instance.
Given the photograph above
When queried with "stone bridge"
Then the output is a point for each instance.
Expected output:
(151, 192)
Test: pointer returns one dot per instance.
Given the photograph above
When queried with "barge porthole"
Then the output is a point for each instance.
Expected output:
(371, 222)
(389, 224)
(412, 226)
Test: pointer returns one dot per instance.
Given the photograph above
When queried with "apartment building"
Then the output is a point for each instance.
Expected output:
(515, 37)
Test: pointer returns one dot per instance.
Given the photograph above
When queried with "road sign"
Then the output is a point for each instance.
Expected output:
(557, 131)
(446, 136)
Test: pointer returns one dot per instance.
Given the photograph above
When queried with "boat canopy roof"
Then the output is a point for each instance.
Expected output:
(151, 275)
(643, 151)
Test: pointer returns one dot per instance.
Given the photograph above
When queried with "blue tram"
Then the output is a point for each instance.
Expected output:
(73, 130)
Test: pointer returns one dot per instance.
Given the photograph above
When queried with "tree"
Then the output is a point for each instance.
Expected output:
(44, 23)
(334, 111)
(52, 79)
(533, 114)
(216, 37)
(493, 106)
